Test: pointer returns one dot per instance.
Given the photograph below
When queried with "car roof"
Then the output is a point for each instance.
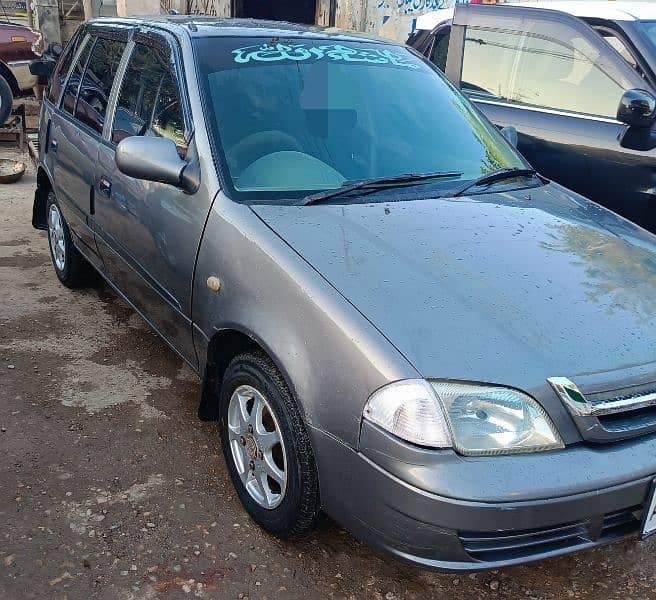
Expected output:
(612, 10)
(434, 18)
(598, 9)
(204, 26)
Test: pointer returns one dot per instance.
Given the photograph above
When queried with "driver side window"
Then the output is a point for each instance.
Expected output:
(537, 70)
(149, 100)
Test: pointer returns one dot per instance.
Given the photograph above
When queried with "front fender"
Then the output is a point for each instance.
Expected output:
(331, 356)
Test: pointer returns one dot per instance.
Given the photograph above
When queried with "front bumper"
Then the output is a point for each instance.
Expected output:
(458, 533)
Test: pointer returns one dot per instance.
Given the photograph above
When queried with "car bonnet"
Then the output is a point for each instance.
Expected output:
(506, 288)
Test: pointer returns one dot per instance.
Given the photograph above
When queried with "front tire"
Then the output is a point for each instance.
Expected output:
(267, 448)
(70, 266)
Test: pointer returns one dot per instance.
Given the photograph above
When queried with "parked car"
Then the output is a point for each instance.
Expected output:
(19, 46)
(571, 77)
(395, 319)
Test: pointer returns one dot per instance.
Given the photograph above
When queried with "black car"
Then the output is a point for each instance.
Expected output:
(577, 80)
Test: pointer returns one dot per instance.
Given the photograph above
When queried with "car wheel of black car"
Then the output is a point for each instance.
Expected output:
(267, 447)
(6, 99)
(70, 266)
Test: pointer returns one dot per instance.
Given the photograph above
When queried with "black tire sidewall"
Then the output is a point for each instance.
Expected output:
(281, 520)
(6, 100)
(64, 275)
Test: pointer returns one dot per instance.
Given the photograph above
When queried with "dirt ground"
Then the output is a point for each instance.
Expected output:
(111, 488)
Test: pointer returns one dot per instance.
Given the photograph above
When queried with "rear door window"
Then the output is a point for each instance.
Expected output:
(59, 76)
(70, 94)
(93, 95)
(149, 100)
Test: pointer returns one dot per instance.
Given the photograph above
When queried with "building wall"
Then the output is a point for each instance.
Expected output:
(393, 19)
(396, 19)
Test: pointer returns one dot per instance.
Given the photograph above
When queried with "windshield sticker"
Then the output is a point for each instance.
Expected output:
(299, 52)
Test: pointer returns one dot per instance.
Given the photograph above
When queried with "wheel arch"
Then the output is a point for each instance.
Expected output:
(5, 71)
(43, 189)
(223, 346)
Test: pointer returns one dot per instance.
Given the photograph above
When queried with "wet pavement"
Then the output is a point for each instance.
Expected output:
(111, 488)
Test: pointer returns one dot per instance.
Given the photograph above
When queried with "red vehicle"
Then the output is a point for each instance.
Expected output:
(19, 45)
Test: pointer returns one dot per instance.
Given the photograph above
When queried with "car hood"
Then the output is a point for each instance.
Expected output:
(506, 288)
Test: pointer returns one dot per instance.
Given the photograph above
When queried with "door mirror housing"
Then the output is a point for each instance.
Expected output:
(55, 49)
(637, 108)
(156, 159)
(42, 67)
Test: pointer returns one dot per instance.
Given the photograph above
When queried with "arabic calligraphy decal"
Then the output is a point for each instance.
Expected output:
(336, 52)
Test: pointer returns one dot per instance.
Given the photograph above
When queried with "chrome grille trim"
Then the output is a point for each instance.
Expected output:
(580, 406)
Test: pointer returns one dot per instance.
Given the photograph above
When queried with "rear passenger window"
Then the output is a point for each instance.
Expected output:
(93, 95)
(59, 76)
(149, 101)
(70, 94)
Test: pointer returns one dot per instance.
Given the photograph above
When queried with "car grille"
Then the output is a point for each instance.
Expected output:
(609, 415)
(630, 421)
(500, 546)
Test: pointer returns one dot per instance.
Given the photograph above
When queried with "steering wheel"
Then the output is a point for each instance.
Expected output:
(256, 145)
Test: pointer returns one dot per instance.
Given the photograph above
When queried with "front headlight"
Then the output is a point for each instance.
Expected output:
(495, 420)
(477, 420)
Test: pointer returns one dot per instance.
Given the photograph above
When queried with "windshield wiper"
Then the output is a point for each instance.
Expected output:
(495, 176)
(377, 183)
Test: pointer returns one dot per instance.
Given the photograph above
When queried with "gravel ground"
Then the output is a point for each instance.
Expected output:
(111, 488)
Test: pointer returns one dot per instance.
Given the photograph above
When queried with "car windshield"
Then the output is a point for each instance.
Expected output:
(649, 29)
(291, 117)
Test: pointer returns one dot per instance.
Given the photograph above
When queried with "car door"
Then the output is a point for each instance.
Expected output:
(148, 232)
(559, 84)
(76, 130)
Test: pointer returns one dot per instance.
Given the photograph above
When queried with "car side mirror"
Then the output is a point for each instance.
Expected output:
(156, 159)
(42, 67)
(510, 133)
(637, 108)
(55, 49)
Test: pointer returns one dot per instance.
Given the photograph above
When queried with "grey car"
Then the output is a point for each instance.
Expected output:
(395, 320)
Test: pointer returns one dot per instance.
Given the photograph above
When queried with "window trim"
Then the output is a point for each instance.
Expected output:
(543, 109)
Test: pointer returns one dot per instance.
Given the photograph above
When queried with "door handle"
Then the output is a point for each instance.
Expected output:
(105, 187)
(54, 144)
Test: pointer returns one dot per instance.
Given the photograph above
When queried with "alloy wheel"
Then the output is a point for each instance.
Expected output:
(57, 237)
(257, 446)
